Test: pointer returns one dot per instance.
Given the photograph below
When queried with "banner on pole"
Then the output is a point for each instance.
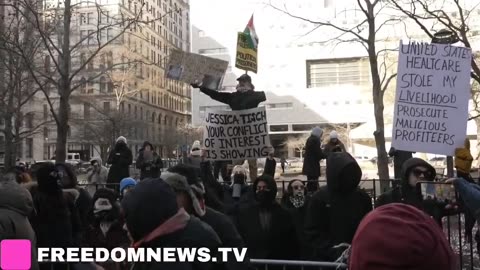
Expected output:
(191, 68)
(236, 135)
(246, 58)
(431, 104)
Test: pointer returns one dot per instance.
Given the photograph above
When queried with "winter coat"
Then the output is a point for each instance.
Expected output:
(279, 241)
(228, 234)
(335, 211)
(237, 100)
(270, 166)
(98, 177)
(233, 205)
(56, 221)
(298, 217)
(409, 195)
(16, 205)
(196, 234)
(399, 157)
(313, 155)
(149, 169)
(331, 147)
(120, 158)
(463, 158)
(115, 237)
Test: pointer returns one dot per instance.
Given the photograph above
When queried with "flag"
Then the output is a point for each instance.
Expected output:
(252, 35)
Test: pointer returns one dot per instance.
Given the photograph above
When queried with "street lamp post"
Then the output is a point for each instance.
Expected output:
(445, 36)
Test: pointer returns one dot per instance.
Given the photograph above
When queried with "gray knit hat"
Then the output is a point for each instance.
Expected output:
(179, 183)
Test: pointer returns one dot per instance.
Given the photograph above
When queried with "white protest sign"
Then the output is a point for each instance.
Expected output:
(236, 135)
(431, 104)
(192, 68)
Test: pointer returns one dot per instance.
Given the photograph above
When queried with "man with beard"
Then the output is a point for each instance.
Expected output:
(106, 230)
(243, 99)
(267, 228)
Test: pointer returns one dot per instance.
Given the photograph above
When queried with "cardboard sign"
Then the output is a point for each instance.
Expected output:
(236, 135)
(246, 55)
(431, 104)
(196, 68)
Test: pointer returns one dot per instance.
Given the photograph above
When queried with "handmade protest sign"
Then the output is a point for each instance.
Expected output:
(246, 54)
(196, 68)
(431, 104)
(236, 135)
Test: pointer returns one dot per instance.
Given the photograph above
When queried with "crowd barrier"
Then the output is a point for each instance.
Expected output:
(295, 265)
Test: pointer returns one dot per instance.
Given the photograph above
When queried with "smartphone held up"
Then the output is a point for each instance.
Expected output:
(438, 191)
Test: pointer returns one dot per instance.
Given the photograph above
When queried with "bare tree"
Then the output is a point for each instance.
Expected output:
(17, 89)
(69, 50)
(366, 33)
(297, 143)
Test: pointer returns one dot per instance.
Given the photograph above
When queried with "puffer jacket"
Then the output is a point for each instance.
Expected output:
(463, 158)
(16, 205)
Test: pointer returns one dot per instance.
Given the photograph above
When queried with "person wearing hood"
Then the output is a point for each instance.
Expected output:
(243, 99)
(97, 175)
(126, 185)
(399, 157)
(190, 195)
(311, 161)
(335, 211)
(149, 162)
(154, 220)
(120, 158)
(16, 206)
(237, 194)
(295, 201)
(270, 165)
(334, 144)
(399, 236)
(56, 221)
(70, 184)
(414, 170)
(106, 230)
(266, 227)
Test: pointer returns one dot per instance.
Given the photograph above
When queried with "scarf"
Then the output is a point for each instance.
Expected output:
(245, 88)
(298, 200)
(173, 224)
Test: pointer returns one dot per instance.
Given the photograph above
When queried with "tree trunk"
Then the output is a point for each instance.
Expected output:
(10, 146)
(64, 90)
(382, 163)
(477, 122)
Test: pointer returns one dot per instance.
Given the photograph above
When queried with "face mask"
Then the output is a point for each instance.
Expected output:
(298, 200)
(263, 197)
(237, 190)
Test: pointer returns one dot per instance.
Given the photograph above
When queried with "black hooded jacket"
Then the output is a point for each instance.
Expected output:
(410, 195)
(149, 168)
(279, 241)
(120, 158)
(237, 100)
(335, 211)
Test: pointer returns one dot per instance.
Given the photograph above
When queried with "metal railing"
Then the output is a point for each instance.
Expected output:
(295, 265)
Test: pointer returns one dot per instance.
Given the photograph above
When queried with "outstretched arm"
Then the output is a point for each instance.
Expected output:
(222, 97)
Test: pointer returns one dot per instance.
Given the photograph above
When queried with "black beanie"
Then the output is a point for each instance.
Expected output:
(147, 206)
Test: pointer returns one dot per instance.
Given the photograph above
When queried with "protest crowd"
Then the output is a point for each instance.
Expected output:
(188, 206)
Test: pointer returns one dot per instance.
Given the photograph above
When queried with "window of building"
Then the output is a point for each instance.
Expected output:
(110, 59)
(141, 113)
(278, 128)
(45, 112)
(29, 148)
(103, 85)
(29, 120)
(83, 85)
(350, 71)
(287, 105)
(110, 87)
(83, 18)
(106, 107)
(45, 132)
(20, 149)
(86, 111)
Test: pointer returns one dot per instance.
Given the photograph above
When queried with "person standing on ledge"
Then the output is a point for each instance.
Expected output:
(244, 98)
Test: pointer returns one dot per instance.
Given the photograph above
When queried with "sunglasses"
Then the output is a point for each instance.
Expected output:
(418, 172)
(298, 187)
